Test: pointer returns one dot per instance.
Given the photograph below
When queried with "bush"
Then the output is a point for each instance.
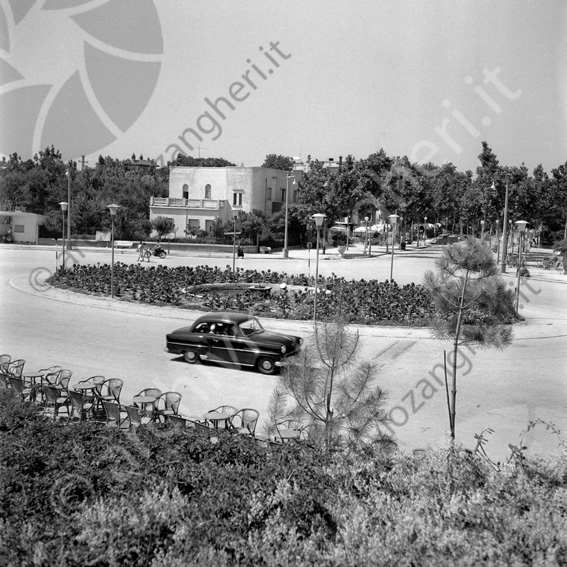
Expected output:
(84, 494)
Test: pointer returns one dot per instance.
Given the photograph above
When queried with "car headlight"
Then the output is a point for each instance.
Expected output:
(283, 349)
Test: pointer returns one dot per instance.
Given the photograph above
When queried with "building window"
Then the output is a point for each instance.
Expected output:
(269, 195)
(207, 191)
(193, 226)
(19, 228)
(283, 195)
(209, 225)
(237, 199)
(185, 191)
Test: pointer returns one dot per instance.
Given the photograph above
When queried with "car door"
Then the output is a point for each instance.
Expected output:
(220, 341)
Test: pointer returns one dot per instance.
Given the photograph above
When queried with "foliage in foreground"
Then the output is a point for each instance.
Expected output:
(84, 494)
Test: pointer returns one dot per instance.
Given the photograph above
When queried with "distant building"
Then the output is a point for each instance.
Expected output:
(17, 226)
(198, 195)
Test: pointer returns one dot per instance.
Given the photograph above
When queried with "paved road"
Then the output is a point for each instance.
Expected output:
(498, 389)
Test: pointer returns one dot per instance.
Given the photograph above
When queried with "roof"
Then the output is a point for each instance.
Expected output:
(225, 317)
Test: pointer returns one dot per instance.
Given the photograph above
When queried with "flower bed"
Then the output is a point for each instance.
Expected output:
(361, 302)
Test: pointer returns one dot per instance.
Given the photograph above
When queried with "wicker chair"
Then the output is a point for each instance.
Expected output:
(230, 410)
(148, 407)
(167, 404)
(110, 390)
(80, 405)
(4, 362)
(136, 417)
(244, 421)
(53, 400)
(15, 368)
(115, 415)
(20, 388)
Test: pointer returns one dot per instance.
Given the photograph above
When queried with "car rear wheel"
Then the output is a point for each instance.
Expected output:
(162, 254)
(266, 365)
(190, 356)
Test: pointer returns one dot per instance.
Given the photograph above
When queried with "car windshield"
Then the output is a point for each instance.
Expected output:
(251, 326)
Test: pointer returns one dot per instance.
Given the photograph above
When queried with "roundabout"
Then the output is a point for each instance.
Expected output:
(502, 390)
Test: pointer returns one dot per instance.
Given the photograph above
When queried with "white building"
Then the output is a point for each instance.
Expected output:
(17, 226)
(198, 195)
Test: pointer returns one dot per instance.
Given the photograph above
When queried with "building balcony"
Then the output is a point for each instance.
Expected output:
(213, 204)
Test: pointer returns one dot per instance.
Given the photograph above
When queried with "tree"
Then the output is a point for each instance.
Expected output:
(472, 305)
(163, 226)
(278, 162)
(330, 393)
(561, 247)
(190, 161)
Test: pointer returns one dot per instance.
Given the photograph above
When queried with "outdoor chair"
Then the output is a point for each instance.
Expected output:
(15, 368)
(53, 400)
(63, 378)
(148, 407)
(110, 390)
(80, 405)
(20, 388)
(244, 421)
(115, 415)
(289, 430)
(136, 417)
(177, 421)
(42, 373)
(4, 361)
(230, 410)
(167, 404)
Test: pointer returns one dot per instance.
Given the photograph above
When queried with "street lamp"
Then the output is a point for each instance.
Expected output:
(63, 205)
(288, 177)
(481, 230)
(393, 221)
(234, 217)
(522, 228)
(424, 229)
(366, 237)
(319, 218)
(112, 208)
(504, 228)
(497, 222)
(69, 185)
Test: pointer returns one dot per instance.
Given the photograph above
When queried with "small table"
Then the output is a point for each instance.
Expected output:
(287, 434)
(32, 377)
(86, 386)
(143, 401)
(215, 417)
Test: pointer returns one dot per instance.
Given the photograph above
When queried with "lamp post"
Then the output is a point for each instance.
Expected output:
(69, 185)
(112, 208)
(393, 220)
(481, 231)
(319, 219)
(424, 229)
(63, 205)
(522, 229)
(497, 241)
(366, 235)
(504, 229)
(288, 177)
(234, 217)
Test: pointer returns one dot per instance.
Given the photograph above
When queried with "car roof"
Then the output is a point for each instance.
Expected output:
(224, 317)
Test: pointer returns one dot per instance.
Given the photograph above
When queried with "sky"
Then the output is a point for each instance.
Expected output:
(426, 79)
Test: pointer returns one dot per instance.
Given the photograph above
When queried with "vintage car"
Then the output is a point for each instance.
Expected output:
(233, 338)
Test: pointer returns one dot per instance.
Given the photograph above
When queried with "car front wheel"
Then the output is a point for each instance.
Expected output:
(266, 365)
(190, 356)
(162, 255)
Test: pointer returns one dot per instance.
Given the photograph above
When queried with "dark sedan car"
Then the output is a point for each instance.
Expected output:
(233, 338)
